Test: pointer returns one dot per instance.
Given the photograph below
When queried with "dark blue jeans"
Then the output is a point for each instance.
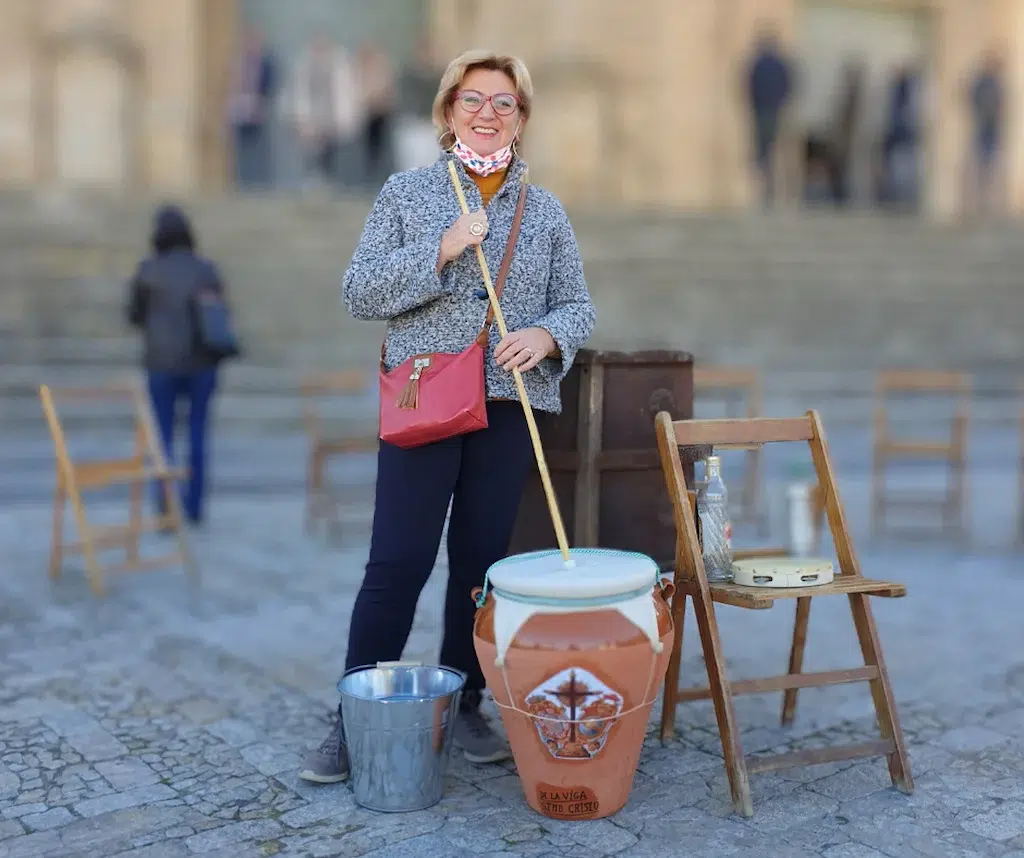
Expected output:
(483, 474)
(766, 131)
(197, 388)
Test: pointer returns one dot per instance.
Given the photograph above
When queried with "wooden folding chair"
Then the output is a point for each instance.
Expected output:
(330, 438)
(954, 451)
(736, 386)
(147, 465)
(691, 582)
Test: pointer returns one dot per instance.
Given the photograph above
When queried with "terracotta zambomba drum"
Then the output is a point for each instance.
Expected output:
(574, 658)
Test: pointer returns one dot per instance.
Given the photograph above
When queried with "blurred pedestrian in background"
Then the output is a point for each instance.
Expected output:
(987, 105)
(326, 108)
(252, 86)
(377, 91)
(769, 89)
(163, 298)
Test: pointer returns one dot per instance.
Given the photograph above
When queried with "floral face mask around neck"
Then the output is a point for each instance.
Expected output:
(484, 165)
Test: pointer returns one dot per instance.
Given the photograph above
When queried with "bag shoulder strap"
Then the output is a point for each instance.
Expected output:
(506, 262)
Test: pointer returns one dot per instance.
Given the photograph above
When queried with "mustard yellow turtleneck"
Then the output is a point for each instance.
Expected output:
(489, 185)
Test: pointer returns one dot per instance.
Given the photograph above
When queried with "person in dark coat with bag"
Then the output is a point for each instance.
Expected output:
(164, 297)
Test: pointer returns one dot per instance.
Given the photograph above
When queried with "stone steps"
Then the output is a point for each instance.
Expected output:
(717, 320)
(842, 294)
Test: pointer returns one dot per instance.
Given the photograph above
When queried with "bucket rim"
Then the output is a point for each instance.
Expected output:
(462, 675)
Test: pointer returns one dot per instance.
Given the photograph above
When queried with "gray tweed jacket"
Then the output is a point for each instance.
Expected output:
(393, 276)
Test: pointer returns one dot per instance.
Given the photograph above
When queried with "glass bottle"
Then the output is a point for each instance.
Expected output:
(716, 529)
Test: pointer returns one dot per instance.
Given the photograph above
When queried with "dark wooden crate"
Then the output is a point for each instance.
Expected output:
(603, 455)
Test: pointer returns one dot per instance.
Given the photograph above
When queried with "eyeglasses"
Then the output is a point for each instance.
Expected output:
(472, 101)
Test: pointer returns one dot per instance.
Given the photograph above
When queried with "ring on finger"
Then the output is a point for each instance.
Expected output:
(476, 228)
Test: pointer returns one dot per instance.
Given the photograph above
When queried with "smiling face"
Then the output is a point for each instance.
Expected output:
(491, 127)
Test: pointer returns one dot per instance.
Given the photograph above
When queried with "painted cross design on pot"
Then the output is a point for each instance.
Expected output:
(574, 712)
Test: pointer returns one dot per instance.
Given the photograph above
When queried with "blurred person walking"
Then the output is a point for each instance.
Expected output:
(846, 128)
(326, 108)
(377, 86)
(253, 81)
(769, 88)
(901, 144)
(415, 268)
(987, 104)
(163, 302)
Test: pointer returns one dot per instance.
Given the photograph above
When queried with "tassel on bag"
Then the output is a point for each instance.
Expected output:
(410, 395)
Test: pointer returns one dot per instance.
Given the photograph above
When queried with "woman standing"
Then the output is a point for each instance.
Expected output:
(162, 303)
(415, 266)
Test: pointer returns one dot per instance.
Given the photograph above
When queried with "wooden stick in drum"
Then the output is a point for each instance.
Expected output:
(542, 465)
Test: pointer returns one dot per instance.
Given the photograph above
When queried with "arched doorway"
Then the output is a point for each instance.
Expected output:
(91, 112)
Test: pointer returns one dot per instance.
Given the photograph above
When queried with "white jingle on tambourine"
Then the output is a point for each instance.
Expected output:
(783, 571)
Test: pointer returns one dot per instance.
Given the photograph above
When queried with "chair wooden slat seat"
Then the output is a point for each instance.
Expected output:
(120, 471)
(765, 597)
(331, 444)
(919, 449)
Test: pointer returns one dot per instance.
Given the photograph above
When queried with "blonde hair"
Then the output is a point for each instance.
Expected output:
(457, 69)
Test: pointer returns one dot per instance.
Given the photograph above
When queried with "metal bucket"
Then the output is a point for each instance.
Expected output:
(398, 728)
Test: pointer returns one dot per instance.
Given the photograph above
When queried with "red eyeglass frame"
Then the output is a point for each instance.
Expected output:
(488, 98)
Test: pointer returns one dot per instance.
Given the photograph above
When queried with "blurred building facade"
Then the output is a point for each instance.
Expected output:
(642, 106)
(647, 108)
(115, 93)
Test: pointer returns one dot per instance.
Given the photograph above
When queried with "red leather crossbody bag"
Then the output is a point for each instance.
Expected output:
(438, 395)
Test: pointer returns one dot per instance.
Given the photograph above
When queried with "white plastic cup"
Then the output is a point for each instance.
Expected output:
(801, 524)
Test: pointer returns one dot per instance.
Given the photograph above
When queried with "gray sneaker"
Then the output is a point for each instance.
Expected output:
(478, 741)
(328, 764)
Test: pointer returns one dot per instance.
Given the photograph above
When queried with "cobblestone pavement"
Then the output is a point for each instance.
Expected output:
(145, 726)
